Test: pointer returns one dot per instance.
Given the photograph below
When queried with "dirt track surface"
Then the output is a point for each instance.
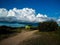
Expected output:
(18, 38)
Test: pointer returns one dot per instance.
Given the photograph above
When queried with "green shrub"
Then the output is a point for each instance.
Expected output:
(27, 27)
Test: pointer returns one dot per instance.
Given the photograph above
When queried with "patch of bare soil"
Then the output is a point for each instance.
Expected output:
(18, 38)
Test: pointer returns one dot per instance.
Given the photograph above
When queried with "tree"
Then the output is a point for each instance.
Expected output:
(47, 26)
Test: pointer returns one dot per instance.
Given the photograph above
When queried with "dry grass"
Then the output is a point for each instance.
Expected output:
(44, 38)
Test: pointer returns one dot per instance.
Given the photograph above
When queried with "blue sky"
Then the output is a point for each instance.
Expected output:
(41, 8)
(49, 7)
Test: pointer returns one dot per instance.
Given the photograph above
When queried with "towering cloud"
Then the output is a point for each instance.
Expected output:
(21, 15)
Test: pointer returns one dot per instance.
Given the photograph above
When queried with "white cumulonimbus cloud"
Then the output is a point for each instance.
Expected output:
(21, 15)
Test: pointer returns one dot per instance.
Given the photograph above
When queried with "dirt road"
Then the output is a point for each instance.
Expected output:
(18, 38)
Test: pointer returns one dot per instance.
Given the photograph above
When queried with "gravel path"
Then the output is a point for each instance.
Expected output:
(18, 38)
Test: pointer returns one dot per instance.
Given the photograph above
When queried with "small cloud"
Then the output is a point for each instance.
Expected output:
(41, 15)
(58, 21)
